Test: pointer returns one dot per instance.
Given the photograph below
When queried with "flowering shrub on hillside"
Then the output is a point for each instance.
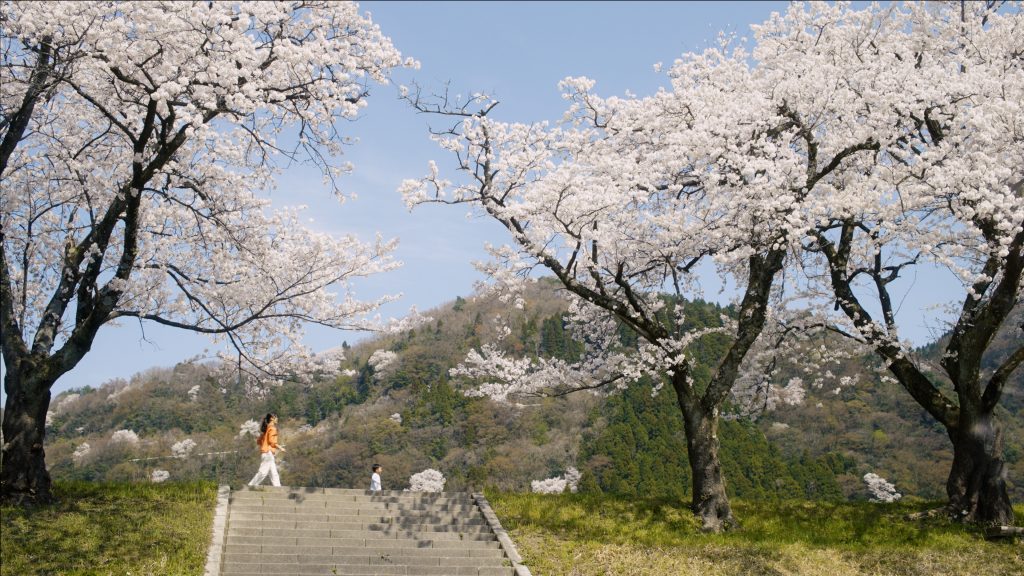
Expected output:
(250, 427)
(126, 436)
(550, 486)
(429, 480)
(558, 484)
(881, 490)
(184, 448)
(81, 452)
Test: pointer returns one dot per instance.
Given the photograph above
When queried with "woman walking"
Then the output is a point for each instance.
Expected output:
(268, 447)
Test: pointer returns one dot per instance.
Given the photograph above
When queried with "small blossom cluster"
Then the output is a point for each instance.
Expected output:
(249, 428)
(382, 361)
(557, 485)
(81, 452)
(881, 490)
(128, 437)
(183, 448)
(429, 480)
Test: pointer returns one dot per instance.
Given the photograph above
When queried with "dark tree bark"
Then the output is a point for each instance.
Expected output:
(977, 480)
(710, 502)
(23, 475)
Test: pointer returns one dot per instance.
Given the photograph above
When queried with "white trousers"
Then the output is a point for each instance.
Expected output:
(267, 465)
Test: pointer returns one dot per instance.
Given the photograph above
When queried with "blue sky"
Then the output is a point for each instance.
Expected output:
(517, 51)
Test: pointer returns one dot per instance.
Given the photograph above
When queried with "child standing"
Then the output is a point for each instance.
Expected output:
(268, 447)
(375, 479)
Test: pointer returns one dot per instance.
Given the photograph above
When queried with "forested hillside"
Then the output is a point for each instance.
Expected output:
(404, 412)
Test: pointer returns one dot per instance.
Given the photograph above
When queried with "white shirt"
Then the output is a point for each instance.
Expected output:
(375, 482)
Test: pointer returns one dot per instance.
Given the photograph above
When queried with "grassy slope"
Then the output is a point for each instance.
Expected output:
(588, 535)
(111, 529)
(163, 530)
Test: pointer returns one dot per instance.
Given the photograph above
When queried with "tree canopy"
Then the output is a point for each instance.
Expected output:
(135, 142)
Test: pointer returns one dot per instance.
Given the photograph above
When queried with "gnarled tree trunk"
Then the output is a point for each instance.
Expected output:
(977, 481)
(23, 474)
(710, 501)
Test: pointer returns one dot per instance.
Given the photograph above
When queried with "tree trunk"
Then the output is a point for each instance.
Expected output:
(23, 475)
(977, 482)
(710, 501)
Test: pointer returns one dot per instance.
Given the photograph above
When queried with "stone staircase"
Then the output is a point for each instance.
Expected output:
(304, 531)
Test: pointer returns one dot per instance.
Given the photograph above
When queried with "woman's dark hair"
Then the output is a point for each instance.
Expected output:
(266, 421)
(376, 467)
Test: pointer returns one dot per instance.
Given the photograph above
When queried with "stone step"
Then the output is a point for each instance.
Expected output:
(384, 518)
(236, 569)
(339, 503)
(410, 505)
(383, 559)
(427, 541)
(474, 552)
(423, 518)
(396, 532)
(373, 524)
(354, 508)
(275, 519)
(294, 492)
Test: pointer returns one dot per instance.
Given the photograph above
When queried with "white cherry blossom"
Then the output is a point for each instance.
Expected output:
(128, 437)
(881, 489)
(429, 480)
(249, 428)
(81, 452)
(183, 448)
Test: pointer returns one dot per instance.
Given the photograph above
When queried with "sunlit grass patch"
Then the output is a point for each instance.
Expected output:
(111, 529)
(589, 535)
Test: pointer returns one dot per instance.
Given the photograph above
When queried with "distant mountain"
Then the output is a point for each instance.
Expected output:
(408, 415)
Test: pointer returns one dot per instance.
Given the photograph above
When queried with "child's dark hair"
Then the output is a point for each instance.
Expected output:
(376, 467)
(266, 421)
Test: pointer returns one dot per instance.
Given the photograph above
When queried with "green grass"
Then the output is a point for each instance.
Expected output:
(163, 530)
(588, 535)
(110, 529)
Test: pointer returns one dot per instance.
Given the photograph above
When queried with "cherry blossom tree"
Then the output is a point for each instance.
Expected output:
(626, 201)
(945, 191)
(859, 142)
(135, 139)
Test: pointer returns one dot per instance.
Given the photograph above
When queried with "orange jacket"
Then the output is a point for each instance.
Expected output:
(268, 440)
